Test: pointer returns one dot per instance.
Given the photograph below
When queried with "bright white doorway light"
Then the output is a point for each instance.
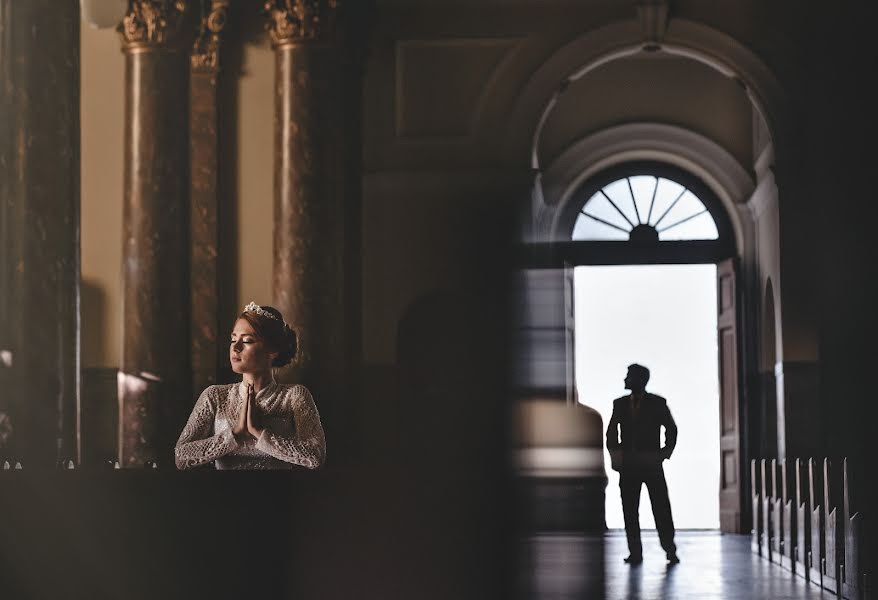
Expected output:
(663, 317)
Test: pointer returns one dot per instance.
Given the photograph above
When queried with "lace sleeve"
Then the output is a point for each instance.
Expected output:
(307, 445)
(197, 445)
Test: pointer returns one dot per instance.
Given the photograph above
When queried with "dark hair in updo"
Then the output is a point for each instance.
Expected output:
(278, 337)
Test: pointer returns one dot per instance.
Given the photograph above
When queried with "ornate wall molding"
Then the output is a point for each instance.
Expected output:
(296, 21)
(205, 52)
(152, 24)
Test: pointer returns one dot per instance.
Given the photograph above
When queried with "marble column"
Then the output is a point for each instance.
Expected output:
(154, 382)
(311, 286)
(204, 190)
(39, 227)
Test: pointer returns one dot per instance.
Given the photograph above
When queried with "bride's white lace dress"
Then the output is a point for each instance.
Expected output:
(293, 433)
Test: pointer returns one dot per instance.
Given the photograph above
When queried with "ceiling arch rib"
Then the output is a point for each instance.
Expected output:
(622, 39)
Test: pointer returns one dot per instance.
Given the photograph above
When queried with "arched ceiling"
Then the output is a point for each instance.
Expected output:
(652, 87)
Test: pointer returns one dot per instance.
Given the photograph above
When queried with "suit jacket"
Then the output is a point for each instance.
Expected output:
(640, 444)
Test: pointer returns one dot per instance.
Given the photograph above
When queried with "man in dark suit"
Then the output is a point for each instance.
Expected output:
(638, 458)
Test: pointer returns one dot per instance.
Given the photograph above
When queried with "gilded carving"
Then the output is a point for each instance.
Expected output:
(205, 52)
(152, 23)
(292, 21)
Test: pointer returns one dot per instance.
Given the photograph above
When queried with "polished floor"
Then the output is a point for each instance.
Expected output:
(570, 567)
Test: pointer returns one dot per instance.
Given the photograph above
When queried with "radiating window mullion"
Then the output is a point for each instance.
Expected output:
(652, 202)
(618, 210)
(698, 214)
(673, 204)
(633, 201)
(599, 220)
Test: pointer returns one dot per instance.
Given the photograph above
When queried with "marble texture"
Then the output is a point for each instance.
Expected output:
(315, 227)
(204, 190)
(154, 382)
(39, 228)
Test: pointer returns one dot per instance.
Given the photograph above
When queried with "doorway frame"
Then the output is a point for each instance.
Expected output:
(559, 251)
(735, 185)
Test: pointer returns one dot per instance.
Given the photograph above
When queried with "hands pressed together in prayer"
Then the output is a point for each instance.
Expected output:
(248, 418)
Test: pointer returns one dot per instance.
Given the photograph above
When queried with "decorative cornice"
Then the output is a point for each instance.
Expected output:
(152, 24)
(205, 52)
(295, 21)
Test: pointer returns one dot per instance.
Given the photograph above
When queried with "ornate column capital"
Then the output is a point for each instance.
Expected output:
(152, 24)
(205, 51)
(296, 21)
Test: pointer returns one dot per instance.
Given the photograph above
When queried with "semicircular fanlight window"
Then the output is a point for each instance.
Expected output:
(644, 208)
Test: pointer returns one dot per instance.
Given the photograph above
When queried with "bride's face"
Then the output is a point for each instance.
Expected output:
(247, 353)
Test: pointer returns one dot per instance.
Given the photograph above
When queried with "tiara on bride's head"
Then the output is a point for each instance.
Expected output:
(255, 308)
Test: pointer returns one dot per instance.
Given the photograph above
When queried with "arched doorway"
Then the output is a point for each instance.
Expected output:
(654, 215)
(591, 144)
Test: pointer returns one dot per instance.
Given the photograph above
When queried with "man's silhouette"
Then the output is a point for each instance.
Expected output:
(638, 458)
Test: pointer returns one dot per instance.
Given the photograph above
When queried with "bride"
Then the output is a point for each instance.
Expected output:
(257, 423)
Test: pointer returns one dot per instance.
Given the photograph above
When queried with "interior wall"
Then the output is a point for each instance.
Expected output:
(102, 114)
(254, 192)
